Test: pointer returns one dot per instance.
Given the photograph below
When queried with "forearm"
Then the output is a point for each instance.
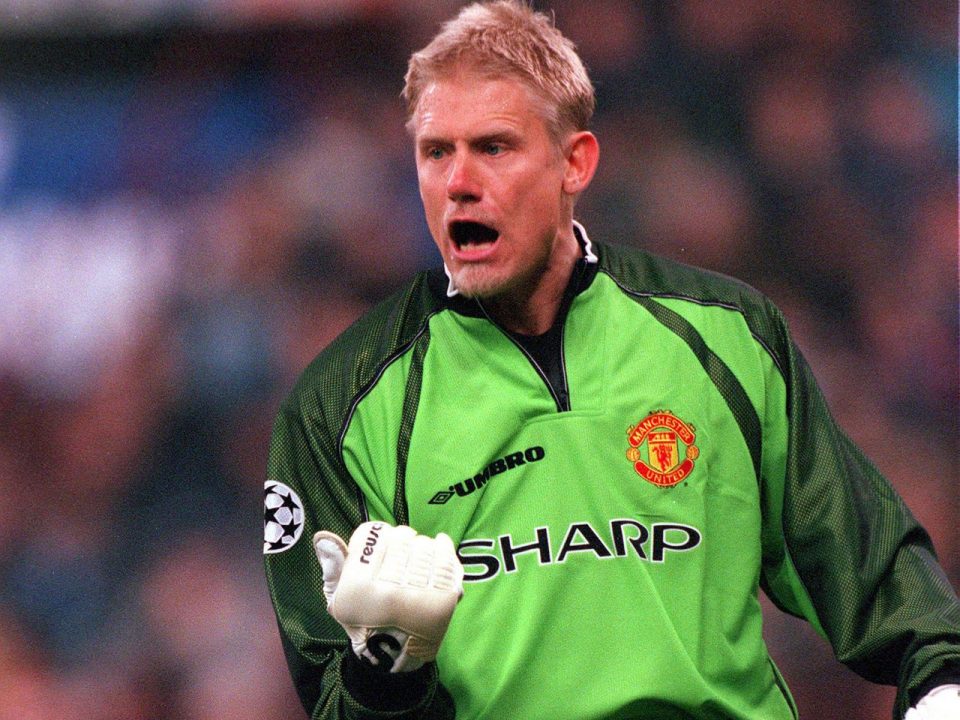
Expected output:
(847, 553)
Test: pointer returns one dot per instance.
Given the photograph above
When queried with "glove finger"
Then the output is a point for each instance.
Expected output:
(332, 553)
(445, 548)
(395, 554)
(939, 704)
(448, 573)
(418, 562)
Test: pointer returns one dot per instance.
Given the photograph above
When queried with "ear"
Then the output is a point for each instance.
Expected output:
(582, 156)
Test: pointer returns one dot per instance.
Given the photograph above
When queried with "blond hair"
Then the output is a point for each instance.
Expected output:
(507, 38)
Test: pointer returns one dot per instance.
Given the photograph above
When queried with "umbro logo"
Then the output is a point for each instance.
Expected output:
(500, 465)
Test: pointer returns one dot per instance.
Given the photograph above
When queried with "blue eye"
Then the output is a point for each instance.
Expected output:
(435, 153)
(493, 149)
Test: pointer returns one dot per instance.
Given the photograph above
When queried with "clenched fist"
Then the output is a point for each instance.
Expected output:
(392, 590)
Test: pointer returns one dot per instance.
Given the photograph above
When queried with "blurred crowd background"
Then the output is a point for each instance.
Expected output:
(197, 195)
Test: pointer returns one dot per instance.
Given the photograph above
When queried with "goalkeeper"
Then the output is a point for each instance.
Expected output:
(550, 479)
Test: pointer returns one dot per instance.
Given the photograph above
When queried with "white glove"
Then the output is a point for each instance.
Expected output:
(392, 590)
(941, 703)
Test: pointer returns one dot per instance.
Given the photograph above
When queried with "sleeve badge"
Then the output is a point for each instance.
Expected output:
(282, 517)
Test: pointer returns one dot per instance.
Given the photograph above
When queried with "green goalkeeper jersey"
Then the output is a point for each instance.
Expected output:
(618, 497)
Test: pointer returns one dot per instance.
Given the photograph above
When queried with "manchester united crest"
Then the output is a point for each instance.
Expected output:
(662, 448)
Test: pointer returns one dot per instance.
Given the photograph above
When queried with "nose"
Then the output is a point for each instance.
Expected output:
(462, 182)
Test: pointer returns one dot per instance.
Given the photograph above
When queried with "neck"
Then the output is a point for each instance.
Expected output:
(531, 308)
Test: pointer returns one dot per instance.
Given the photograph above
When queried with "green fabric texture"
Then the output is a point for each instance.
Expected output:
(614, 552)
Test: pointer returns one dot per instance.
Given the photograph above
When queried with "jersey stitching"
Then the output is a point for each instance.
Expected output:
(372, 383)
(725, 381)
(411, 400)
(776, 361)
(563, 364)
(703, 303)
(749, 425)
(788, 554)
(540, 371)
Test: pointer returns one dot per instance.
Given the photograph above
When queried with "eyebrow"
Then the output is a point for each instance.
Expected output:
(431, 140)
(502, 136)
(508, 137)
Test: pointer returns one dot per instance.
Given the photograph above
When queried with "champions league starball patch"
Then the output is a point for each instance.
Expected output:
(282, 517)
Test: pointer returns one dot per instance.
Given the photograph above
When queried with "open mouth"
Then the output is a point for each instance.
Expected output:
(467, 233)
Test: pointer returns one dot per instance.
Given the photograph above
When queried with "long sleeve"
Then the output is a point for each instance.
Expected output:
(840, 547)
(330, 681)
(307, 464)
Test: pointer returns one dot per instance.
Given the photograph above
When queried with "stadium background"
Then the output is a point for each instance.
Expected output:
(197, 195)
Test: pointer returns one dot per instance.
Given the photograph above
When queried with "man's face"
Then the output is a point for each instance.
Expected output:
(491, 181)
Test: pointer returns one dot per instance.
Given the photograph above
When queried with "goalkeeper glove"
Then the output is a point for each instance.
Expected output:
(941, 703)
(392, 590)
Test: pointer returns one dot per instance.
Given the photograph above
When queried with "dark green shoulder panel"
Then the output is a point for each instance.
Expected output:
(350, 365)
(643, 274)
